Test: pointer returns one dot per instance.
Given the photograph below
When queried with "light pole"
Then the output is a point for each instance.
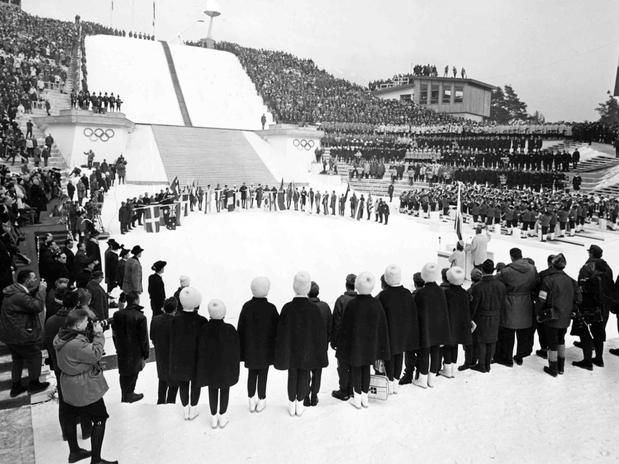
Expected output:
(212, 11)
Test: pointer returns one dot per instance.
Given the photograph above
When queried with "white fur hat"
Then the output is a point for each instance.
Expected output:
(216, 309)
(185, 281)
(190, 298)
(260, 287)
(365, 283)
(301, 283)
(430, 272)
(455, 275)
(393, 275)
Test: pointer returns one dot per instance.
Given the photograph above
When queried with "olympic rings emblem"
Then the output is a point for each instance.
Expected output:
(303, 144)
(98, 134)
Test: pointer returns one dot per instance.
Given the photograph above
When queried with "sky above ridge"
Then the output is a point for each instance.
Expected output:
(559, 55)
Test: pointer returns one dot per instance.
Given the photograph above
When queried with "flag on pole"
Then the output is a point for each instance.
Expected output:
(616, 92)
(458, 219)
(152, 220)
(154, 15)
(281, 187)
(347, 190)
(175, 186)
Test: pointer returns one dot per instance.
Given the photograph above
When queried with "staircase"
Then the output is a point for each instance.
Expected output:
(210, 156)
(377, 187)
(598, 163)
(177, 86)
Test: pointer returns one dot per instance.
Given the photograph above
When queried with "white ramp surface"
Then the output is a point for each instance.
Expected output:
(218, 92)
(136, 70)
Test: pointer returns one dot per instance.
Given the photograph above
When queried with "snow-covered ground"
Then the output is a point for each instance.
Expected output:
(518, 415)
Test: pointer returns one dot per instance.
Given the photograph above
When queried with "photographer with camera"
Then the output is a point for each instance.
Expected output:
(21, 329)
(79, 349)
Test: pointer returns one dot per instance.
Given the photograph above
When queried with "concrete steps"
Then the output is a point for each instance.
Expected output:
(210, 156)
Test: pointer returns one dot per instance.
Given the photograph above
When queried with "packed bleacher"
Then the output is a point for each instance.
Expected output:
(426, 70)
(596, 132)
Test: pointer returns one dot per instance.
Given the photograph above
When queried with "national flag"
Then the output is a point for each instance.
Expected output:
(616, 92)
(185, 204)
(346, 194)
(281, 187)
(458, 218)
(152, 219)
(112, 5)
(154, 15)
(175, 187)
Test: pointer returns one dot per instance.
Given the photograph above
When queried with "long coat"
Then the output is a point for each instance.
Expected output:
(364, 336)
(301, 341)
(257, 330)
(160, 332)
(184, 335)
(402, 319)
(20, 322)
(459, 306)
(99, 303)
(219, 355)
(561, 295)
(325, 313)
(111, 267)
(520, 279)
(434, 327)
(488, 301)
(132, 281)
(156, 292)
(338, 315)
(130, 334)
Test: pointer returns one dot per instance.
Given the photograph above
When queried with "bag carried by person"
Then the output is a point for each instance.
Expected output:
(379, 382)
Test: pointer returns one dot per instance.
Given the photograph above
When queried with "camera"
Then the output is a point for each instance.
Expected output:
(105, 325)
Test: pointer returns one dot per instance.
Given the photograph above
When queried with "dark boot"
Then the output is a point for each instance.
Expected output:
(96, 441)
(561, 365)
(464, 367)
(406, 379)
(584, 364)
(552, 368)
(541, 354)
(35, 386)
(614, 351)
(314, 400)
(79, 454)
(17, 389)
(340, 395)
(598, 345)
(307, 401)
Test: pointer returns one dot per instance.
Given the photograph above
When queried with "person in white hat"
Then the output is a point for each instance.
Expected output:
(301, 343)
(402, 322)
(434, 329)
(458, 305)
(219, 356)
(183, 348)
(257, 330)
(363, 338)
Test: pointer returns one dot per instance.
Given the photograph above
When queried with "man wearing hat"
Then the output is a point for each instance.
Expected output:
(487, 304)
(595, 280)
(132, 281)
(111, 264)
(130, 336)
(156, 288)
(557, 299)
(343, 369)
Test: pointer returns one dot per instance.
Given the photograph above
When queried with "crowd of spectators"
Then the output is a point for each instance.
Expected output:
(426, 70)
(297, 91)
(596, 132)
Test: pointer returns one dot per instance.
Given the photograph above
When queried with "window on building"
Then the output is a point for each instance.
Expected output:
(459, 94)
(423, 96)
(434, 94)
(446, 95)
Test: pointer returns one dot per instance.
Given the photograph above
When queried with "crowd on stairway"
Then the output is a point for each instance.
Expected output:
(545, 213)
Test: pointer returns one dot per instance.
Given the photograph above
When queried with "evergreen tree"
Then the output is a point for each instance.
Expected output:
(517, 109)
(498, 108)
(609, 111)
(506, 106)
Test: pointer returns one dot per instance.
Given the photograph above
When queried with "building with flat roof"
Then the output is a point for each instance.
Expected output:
(465, 98)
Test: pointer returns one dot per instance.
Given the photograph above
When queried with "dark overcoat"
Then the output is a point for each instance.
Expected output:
(402, 319)
(301, 341)
(257, 330)
(459, 306)
(488, 302)
(130, 334)
(184, 335)
(364, 336)
(160, 332)
(219, 355)
(434, 328)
